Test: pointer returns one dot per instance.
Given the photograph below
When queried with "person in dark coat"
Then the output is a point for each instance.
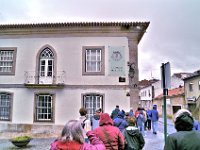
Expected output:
(148, 119)
(185, 138)
(120, 121)
(115, 112)
(133, 137)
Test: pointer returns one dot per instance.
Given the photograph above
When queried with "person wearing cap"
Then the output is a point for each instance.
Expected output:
(185, 138)
(95, 119)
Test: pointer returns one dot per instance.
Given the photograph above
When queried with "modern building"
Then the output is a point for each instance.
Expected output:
(48, 71)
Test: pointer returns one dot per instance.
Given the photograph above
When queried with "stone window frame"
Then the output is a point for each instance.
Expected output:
(199, 84)
(93, 94)
(14, 49)
(38, 62)
(35, 107)
(11, 106)
(190, 86)
(84, 72)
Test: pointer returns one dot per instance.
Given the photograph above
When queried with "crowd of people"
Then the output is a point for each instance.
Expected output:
(122, 130)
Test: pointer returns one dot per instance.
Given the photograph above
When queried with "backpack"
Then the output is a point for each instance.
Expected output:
(83, 123)
(131, 143)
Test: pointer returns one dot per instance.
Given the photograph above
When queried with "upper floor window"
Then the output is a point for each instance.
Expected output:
(91, 102)
(190, 87)
(44, 107)
(7, 61)
(5, 106)
(93, 60)
(46, 66)
(149, 93)
(199, 84)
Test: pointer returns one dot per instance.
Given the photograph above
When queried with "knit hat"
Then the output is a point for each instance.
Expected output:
(180, 112)
(183, 120)
(98, 110)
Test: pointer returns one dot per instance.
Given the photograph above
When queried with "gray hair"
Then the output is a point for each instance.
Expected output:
(73, 131)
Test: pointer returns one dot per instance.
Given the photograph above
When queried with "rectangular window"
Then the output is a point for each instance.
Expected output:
(44, 107)
(91, 102)
(190, 87)
(5, 106)
(199, 85)
(93, 60)
(7, 61)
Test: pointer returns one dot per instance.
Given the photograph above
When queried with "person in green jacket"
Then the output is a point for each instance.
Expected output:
(132, 136)
(185, 138)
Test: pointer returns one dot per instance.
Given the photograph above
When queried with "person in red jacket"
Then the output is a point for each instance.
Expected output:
(109, 134)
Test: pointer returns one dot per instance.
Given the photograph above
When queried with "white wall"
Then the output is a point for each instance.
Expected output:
(147, 90)
(69, 57)
(67, 103)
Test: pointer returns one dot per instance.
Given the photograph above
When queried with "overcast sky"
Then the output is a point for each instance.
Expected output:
(172, 36)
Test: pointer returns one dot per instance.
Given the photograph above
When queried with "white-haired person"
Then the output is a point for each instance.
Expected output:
(72, 138)
(185, 138)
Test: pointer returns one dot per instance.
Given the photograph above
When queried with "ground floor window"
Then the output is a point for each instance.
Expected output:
(91, 102)
(44, 107)
(175, 109)
(5, 106)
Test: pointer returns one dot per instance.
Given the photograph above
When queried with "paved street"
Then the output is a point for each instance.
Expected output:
(152, 141)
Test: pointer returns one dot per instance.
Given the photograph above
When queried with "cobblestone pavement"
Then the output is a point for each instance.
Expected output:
(152, 141)
(35, 144)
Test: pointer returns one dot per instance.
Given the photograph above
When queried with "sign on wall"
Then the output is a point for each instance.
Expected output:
(116, 60)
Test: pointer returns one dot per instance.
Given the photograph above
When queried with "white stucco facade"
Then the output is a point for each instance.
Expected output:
(67, 96)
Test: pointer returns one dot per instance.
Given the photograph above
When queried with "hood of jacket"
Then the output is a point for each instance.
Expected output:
(120, 114)
(131, 130)
(184, 122)
(105, 119)
(155, 107)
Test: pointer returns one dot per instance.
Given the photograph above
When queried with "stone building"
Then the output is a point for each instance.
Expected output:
(192, 93)
(174, 101)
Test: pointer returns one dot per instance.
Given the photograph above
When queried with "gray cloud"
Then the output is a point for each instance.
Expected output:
(173, 34)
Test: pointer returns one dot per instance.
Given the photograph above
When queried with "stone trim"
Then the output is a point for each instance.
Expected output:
(14, 49)
(102, 73)
(53, 106)
(11, 106)
(69, 86)
(38, 61)
(94, 93)
(79, 29)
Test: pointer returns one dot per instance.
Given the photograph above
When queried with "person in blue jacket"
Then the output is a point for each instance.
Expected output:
(196, 125)
(154, 119)
(120, 121)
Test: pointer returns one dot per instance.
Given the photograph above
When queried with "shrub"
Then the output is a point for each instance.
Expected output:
(21, 138)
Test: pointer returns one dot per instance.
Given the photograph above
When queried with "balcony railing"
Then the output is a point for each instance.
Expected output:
(31, 77)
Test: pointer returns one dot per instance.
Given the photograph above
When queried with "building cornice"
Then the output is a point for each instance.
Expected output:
(76, 28)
